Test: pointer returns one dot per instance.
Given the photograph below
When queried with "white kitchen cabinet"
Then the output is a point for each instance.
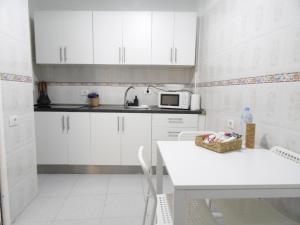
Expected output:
(51, 138)
(108, 39)
(116, 137)
(63, 37)
(136, 131)
(62, 138)
(122, 38)
(162, 38)
(137, 38)
(167, 127)
(105, 139)
(185, 38)
(78, 126)
(174, 38)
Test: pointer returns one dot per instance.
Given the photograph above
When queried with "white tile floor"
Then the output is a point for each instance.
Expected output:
(88, 200)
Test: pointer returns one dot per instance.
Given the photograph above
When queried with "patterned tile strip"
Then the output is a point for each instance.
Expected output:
(16, 78)
(113, 84)
(276, 78)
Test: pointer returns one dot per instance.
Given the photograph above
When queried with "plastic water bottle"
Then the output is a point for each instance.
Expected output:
(246, 117)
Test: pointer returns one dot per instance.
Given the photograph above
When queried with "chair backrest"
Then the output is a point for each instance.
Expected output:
(147, 174)
(191, 135)
(286, 153)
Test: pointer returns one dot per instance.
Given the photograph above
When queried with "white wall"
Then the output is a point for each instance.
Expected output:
(17, 89)
(253, 38)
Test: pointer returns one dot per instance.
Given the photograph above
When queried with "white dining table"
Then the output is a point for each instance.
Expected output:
(198, 173)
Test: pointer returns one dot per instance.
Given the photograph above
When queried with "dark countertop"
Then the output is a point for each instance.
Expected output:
(110, 108)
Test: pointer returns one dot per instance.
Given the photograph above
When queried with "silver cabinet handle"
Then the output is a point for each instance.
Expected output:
(63, 122)
(68, 123)
(173, 133)
(118, 124)
(65, 54)
(171, 56)
(60, 54)
(120, 55)
(175, 120)
(123, 124)
(175, 55)
(124, 55)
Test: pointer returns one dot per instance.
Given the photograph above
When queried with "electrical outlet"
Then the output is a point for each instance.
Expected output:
(13, 121)
(84, 92)
(230, 124)
(147, 91)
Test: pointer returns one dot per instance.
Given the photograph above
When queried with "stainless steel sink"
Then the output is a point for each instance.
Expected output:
(138, 107)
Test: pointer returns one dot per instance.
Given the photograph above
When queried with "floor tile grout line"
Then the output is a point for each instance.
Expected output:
(105, 199)
(65, 200)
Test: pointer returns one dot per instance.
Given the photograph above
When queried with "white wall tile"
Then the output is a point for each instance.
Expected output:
(17, 99)
(259, 38)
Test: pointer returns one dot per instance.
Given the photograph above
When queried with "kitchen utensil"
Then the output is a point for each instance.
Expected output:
(43, 99)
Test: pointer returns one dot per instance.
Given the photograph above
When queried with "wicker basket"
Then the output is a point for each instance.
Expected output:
(94, 102)
(220, 147)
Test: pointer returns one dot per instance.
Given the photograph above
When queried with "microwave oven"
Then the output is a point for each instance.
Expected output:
(174, 100)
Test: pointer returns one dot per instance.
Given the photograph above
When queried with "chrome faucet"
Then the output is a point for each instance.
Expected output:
(125, 96)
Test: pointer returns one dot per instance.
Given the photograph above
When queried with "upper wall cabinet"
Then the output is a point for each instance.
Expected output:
(122, 38)
(107, 37)
(174, 38)
(64, 37)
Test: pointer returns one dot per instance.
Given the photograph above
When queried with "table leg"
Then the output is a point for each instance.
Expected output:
(179, 209)
(159, 173)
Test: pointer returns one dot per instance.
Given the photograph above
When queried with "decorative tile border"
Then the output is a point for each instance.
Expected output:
(111, 84)
(276, 78)
(16, 78)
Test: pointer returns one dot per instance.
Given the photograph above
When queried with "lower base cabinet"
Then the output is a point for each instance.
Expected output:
(62, 138)
(51, 138)
(116, 137)
(82, 138)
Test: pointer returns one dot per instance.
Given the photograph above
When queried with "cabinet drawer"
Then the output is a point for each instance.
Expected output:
(169, 134)
(175, 120)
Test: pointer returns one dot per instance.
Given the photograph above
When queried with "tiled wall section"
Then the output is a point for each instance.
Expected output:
(249, 38)
(16, 73)
(113, 74)
(110, 93)
(20, 144)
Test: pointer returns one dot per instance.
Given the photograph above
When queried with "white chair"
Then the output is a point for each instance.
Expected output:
(191, 135)
(255, 211)
(197, 212)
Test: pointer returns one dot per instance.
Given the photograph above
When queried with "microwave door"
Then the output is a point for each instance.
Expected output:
(170, 100)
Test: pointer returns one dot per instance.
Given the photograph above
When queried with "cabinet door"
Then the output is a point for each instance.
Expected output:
(78, 127)
(64, 37)
(51, 138)
(162, 38)
(105, 139)
(107, 37)
(77, 37)
(185, 38)
(49, 32)
(137, 38)
(136, 131)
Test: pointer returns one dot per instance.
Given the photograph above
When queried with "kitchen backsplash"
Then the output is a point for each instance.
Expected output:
(114, 74)
(249, 55)
(109, 93)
